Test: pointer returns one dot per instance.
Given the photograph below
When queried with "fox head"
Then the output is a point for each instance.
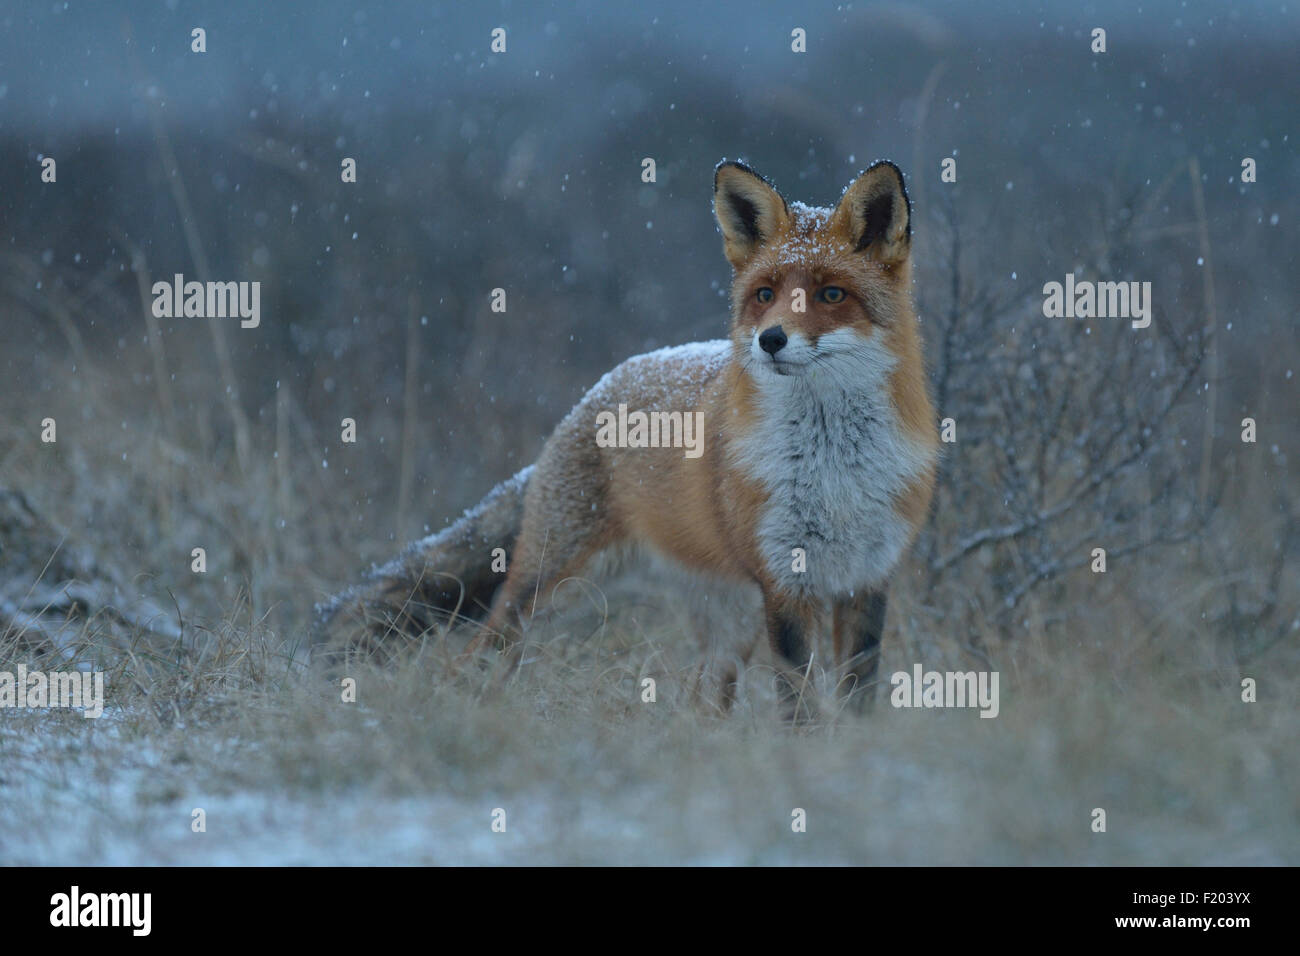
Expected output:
(818, 293)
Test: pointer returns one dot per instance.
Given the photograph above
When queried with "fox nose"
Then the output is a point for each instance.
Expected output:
(772, 340)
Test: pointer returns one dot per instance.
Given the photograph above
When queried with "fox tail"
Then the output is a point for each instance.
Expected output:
(434, 581)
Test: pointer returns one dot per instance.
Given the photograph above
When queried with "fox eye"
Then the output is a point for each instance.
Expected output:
(765, 294)
(832, 294)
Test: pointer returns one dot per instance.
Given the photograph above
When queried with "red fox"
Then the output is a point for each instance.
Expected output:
(810, 476)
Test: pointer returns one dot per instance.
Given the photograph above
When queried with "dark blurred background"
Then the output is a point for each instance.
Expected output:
(523, 171)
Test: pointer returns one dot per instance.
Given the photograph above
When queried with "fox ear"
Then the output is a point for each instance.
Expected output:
(749, 211)
(876, 215)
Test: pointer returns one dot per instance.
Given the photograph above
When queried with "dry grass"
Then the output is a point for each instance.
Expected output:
(1119, 691)
(411, 773)
(1138, 714)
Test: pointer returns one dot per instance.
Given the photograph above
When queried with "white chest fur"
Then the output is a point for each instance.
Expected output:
(828, 448)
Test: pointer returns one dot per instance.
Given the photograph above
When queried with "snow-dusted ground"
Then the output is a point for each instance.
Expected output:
(103, 802)
(899, 788)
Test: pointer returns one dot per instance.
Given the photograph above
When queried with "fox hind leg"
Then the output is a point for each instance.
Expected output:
(565, 525)
(526, 594)
(719, 671)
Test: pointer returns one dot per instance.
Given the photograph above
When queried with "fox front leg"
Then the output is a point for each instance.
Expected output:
(859, 623)
(789, 631)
